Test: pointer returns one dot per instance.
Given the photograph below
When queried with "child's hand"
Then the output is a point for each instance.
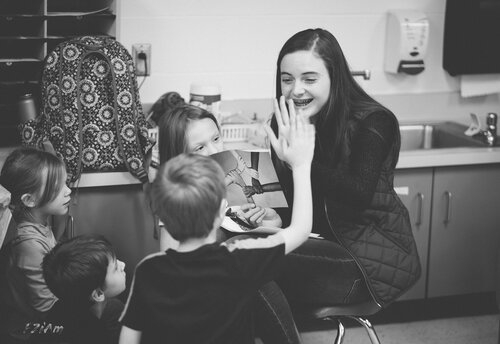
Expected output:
(257, 216)
(295, 145)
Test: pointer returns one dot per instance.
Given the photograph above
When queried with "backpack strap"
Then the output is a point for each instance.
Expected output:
(126, 96)
(73, 155)
(106, 48)
(55, 97)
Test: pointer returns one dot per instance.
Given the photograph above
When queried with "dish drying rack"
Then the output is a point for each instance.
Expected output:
(237, 132)
(237, 127)
(230, 132)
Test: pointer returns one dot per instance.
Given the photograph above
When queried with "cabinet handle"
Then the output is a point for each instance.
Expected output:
(420, 199)
(447, 217)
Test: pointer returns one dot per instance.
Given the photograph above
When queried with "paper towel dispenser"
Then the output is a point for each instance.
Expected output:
(471, 43)
(406, 41)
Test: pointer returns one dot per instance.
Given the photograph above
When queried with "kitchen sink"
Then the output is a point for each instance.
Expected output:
(436, 135)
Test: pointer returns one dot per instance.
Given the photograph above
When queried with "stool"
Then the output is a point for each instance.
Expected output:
(358, 312)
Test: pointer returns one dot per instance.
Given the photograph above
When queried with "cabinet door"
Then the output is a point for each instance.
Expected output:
(414, 187)
(465, 230)
(122, 215)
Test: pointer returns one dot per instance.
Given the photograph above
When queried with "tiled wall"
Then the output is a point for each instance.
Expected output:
(234, 43)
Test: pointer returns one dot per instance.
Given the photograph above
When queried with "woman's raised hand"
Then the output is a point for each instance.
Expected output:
(296, 136)
(283, 121)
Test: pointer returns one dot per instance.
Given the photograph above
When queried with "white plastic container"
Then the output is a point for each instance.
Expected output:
(207, 97)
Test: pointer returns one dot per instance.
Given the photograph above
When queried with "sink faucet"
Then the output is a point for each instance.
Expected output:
(491, 129)
(490, 134)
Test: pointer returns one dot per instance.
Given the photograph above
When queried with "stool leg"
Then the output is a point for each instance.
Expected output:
(340, 332)
(369, 329)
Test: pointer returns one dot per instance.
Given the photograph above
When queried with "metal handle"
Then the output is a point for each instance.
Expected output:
(447, 217)
(366, 74)
(420, 199)
(491, 119)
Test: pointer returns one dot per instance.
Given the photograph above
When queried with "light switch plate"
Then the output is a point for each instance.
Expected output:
(141, 53)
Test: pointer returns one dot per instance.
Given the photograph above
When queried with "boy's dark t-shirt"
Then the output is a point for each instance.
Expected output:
(202, 296)
(66, 323)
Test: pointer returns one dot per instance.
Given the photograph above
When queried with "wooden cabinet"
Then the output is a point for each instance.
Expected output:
(29, 29)
(455, 215)
(414, 187)
(120, 213)
(465, 230)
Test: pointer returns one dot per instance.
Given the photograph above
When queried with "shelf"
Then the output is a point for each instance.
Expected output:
(9, 17)
(10, 93)
(21, 8)
(17, 86)
(105, 12)
(29, 30)
(26, 38)
(78, 5)
(77, 26)
(102, 13)
(58, 39)
(9, 136)
(21, 26)
(10, 61)
(7, 119)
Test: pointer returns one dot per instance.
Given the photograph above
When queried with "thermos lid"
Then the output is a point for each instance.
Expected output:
(204, 89)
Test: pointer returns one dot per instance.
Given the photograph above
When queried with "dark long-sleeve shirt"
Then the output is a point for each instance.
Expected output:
(350, 185)
(354, 183)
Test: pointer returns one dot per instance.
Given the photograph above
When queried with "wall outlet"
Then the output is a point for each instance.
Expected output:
(141, 53)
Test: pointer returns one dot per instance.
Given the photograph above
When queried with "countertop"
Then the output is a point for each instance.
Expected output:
(448, 157)
(407, 159)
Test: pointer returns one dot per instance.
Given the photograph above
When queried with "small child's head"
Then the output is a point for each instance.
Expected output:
(188, 195)
(164, 104)
(37, 181)
(84, 270)
(188, 129)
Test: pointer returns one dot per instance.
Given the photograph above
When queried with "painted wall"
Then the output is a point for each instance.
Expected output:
(235, 43)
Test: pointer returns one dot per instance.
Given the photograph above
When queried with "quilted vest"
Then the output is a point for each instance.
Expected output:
(380, 237)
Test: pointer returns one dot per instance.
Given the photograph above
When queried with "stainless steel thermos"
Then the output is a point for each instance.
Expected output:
(26, 108)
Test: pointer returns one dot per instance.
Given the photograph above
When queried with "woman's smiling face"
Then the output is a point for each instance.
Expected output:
(305, 80)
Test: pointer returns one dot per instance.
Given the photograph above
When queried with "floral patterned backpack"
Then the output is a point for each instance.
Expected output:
(91, 111)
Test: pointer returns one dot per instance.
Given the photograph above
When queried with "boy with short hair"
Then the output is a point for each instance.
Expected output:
(85, 275)
(202, 291)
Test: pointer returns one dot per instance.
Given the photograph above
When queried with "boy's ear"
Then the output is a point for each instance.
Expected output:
(222, 212)
(97, 295)
(223, 207)
(28, 200)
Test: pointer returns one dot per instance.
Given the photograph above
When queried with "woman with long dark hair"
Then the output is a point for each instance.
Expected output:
(368, 250)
